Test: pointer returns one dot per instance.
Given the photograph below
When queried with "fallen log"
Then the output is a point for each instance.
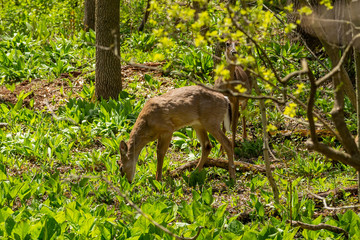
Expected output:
(240, 166)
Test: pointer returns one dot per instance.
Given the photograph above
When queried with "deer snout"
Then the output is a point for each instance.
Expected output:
(234, 52)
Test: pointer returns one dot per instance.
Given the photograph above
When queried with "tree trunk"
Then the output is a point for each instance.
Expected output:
(89, 15)
(108, 70)
(199, 7)
(232, 2)
(331, 26)
(146, 16)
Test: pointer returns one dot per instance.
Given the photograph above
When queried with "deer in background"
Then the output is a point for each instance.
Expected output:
(237, 76)
(194, 106)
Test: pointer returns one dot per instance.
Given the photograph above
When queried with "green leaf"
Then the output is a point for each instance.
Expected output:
(9, 225)
(21, 98)
(236, 227)
(3, 175)
(187, 212)
(21, 230)
(5, 212)
(207, 196)
(50, 228)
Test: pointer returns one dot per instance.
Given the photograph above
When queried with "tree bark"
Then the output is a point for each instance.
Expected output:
(89, 15)
(108, 69)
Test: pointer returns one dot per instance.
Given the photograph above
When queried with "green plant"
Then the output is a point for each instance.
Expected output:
(250, 149)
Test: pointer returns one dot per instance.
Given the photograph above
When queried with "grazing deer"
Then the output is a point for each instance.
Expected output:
(237, 76)
(194, 106)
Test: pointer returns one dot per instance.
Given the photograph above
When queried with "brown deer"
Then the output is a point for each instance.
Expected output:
(237, 76)
(194, 106)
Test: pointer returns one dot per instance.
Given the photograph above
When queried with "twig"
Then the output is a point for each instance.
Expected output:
(235, 23)
(240, 166)
(302, 122)
(319, 227)
(133, 205)
(317, 115)
(332, 208)
(292, 74)
(57, 118)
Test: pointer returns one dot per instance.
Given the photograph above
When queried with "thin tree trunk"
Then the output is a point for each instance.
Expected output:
(89, 15)
(146, 16)
(266, 146)
(108, 70)
(199, 7)
(357, 72)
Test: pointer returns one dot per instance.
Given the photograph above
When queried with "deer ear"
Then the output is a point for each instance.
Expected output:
(123, 147)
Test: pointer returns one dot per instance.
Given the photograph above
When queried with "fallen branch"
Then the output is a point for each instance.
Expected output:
(332, 208)
(336, 192)
(239, 166)
(319, 227)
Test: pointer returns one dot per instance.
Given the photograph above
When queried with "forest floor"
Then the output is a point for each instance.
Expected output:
(56, 92)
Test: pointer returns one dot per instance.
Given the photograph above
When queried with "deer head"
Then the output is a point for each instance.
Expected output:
(230, 51)
(128, 166)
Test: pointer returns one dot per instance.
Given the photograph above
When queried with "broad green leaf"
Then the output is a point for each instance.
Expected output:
(50, 228)
(9, 225)
(207, 196)
(236, 227)
(3, 175)
(21, 229)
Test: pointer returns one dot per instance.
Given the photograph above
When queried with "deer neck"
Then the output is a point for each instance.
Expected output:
(137, 142)
(231, 67)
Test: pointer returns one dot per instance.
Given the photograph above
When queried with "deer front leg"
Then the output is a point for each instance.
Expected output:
(205, 146)
(162, 146)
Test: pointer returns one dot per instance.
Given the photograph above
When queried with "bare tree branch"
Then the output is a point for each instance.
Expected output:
(336, 69)
(263, 53)
(319, 227)
(303, 105)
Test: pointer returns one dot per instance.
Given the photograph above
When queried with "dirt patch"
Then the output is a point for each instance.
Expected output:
(55, 92)
(44, 92)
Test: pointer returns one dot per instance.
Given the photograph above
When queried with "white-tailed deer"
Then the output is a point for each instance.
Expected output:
(194, 106)
(237, 76)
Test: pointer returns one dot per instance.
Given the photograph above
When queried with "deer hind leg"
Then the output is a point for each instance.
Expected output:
(162, 147)
(225, 142)
(235, 119)
(205, 146)
(244, 135)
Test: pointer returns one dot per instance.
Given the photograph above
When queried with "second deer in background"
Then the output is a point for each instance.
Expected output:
(237, 76)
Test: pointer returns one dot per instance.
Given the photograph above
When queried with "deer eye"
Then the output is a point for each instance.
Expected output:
(227, 44)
